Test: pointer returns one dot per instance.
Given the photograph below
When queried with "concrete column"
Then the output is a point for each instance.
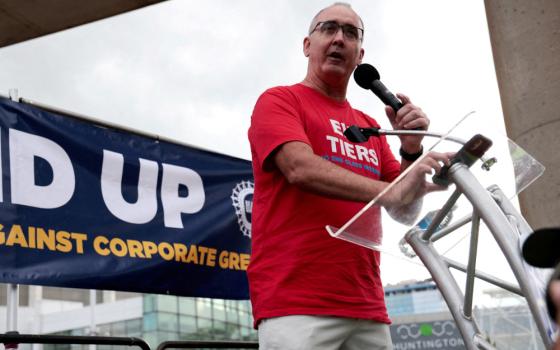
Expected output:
(525, 37)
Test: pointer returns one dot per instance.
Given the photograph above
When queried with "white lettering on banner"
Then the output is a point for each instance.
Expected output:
(173, 205)
(145, 208)
(24, 147)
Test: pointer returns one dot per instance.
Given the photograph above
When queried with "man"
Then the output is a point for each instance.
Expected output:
(308, 290)
(542, 249)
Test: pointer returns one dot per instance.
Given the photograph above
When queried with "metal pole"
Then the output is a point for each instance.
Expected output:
(486, 277)
(471, 266)
(440, 215)
(523, 230)
(92, 326)
(12, 289)
(13, 93)
(35, 296)
(447, 286)
(458, 224)
(12, 305)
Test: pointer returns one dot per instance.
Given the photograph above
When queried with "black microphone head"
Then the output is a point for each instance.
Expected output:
(365, 74)
(540, 249)
(355, 135)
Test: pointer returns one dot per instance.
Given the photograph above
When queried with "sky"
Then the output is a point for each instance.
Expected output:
(192, 70)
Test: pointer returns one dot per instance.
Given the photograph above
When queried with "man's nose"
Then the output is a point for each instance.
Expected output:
(339, 35)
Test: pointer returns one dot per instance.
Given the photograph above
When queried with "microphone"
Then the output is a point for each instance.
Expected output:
(367, 77)
(356, 134)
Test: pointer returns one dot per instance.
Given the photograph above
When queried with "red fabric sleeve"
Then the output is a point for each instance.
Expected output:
(276, 120)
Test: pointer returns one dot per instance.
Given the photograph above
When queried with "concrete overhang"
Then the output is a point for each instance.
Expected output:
(22, 20)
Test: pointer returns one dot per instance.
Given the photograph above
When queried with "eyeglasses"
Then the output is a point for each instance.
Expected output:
(330, 28)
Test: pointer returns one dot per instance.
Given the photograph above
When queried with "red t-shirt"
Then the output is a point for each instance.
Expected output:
(296, 267)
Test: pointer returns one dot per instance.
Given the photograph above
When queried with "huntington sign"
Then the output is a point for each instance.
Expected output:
(441, 335)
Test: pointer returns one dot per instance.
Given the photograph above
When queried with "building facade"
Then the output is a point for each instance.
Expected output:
(420, 318)
(154, 318)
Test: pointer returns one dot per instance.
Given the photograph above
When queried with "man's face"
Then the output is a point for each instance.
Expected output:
(334, 55)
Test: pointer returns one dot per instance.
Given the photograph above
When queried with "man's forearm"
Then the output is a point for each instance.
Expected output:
(312, 173)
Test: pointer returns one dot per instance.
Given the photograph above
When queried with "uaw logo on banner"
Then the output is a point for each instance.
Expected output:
(242, 201)
(86, 206)
(441, 335)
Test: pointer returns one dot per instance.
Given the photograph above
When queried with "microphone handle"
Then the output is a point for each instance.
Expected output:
(385, 95)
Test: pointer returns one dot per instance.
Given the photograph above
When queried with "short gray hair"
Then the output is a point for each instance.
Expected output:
(345, 4)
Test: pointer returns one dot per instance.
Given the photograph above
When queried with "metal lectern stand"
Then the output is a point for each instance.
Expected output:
(508, 228)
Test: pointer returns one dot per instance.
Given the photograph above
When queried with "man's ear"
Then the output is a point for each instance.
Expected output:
(306, 44)
(361, 55)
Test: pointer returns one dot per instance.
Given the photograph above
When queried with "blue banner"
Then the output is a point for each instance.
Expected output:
(86, 206)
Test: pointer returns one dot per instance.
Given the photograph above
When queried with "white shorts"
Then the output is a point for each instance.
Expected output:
(301, 332)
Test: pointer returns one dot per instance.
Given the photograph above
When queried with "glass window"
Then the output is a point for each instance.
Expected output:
(187, 306)
(149, 322)
(233, 331)
(232, 316)
(104, 330)
(167, 303)
(79, 331)
(219, 311)
(219, 330)
(218, 325)
(149, 303)
(245, 319)
(203, 307)
(187, 324)
(192, 336)
(165, 336)
(133, 327)
(168, 322)
(155, 338)
(151, 338)
(243, 305)
(204, 323)
(118, 329)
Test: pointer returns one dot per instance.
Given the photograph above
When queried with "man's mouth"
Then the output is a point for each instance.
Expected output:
(336, 55)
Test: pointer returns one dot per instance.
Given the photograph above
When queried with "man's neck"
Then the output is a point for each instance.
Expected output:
(336, 92)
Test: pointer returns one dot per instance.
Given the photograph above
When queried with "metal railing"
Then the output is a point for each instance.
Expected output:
(217, 344)
(16, 338)
(11, 339)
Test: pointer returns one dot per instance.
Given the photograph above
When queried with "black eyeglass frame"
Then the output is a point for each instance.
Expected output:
(345, 27)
